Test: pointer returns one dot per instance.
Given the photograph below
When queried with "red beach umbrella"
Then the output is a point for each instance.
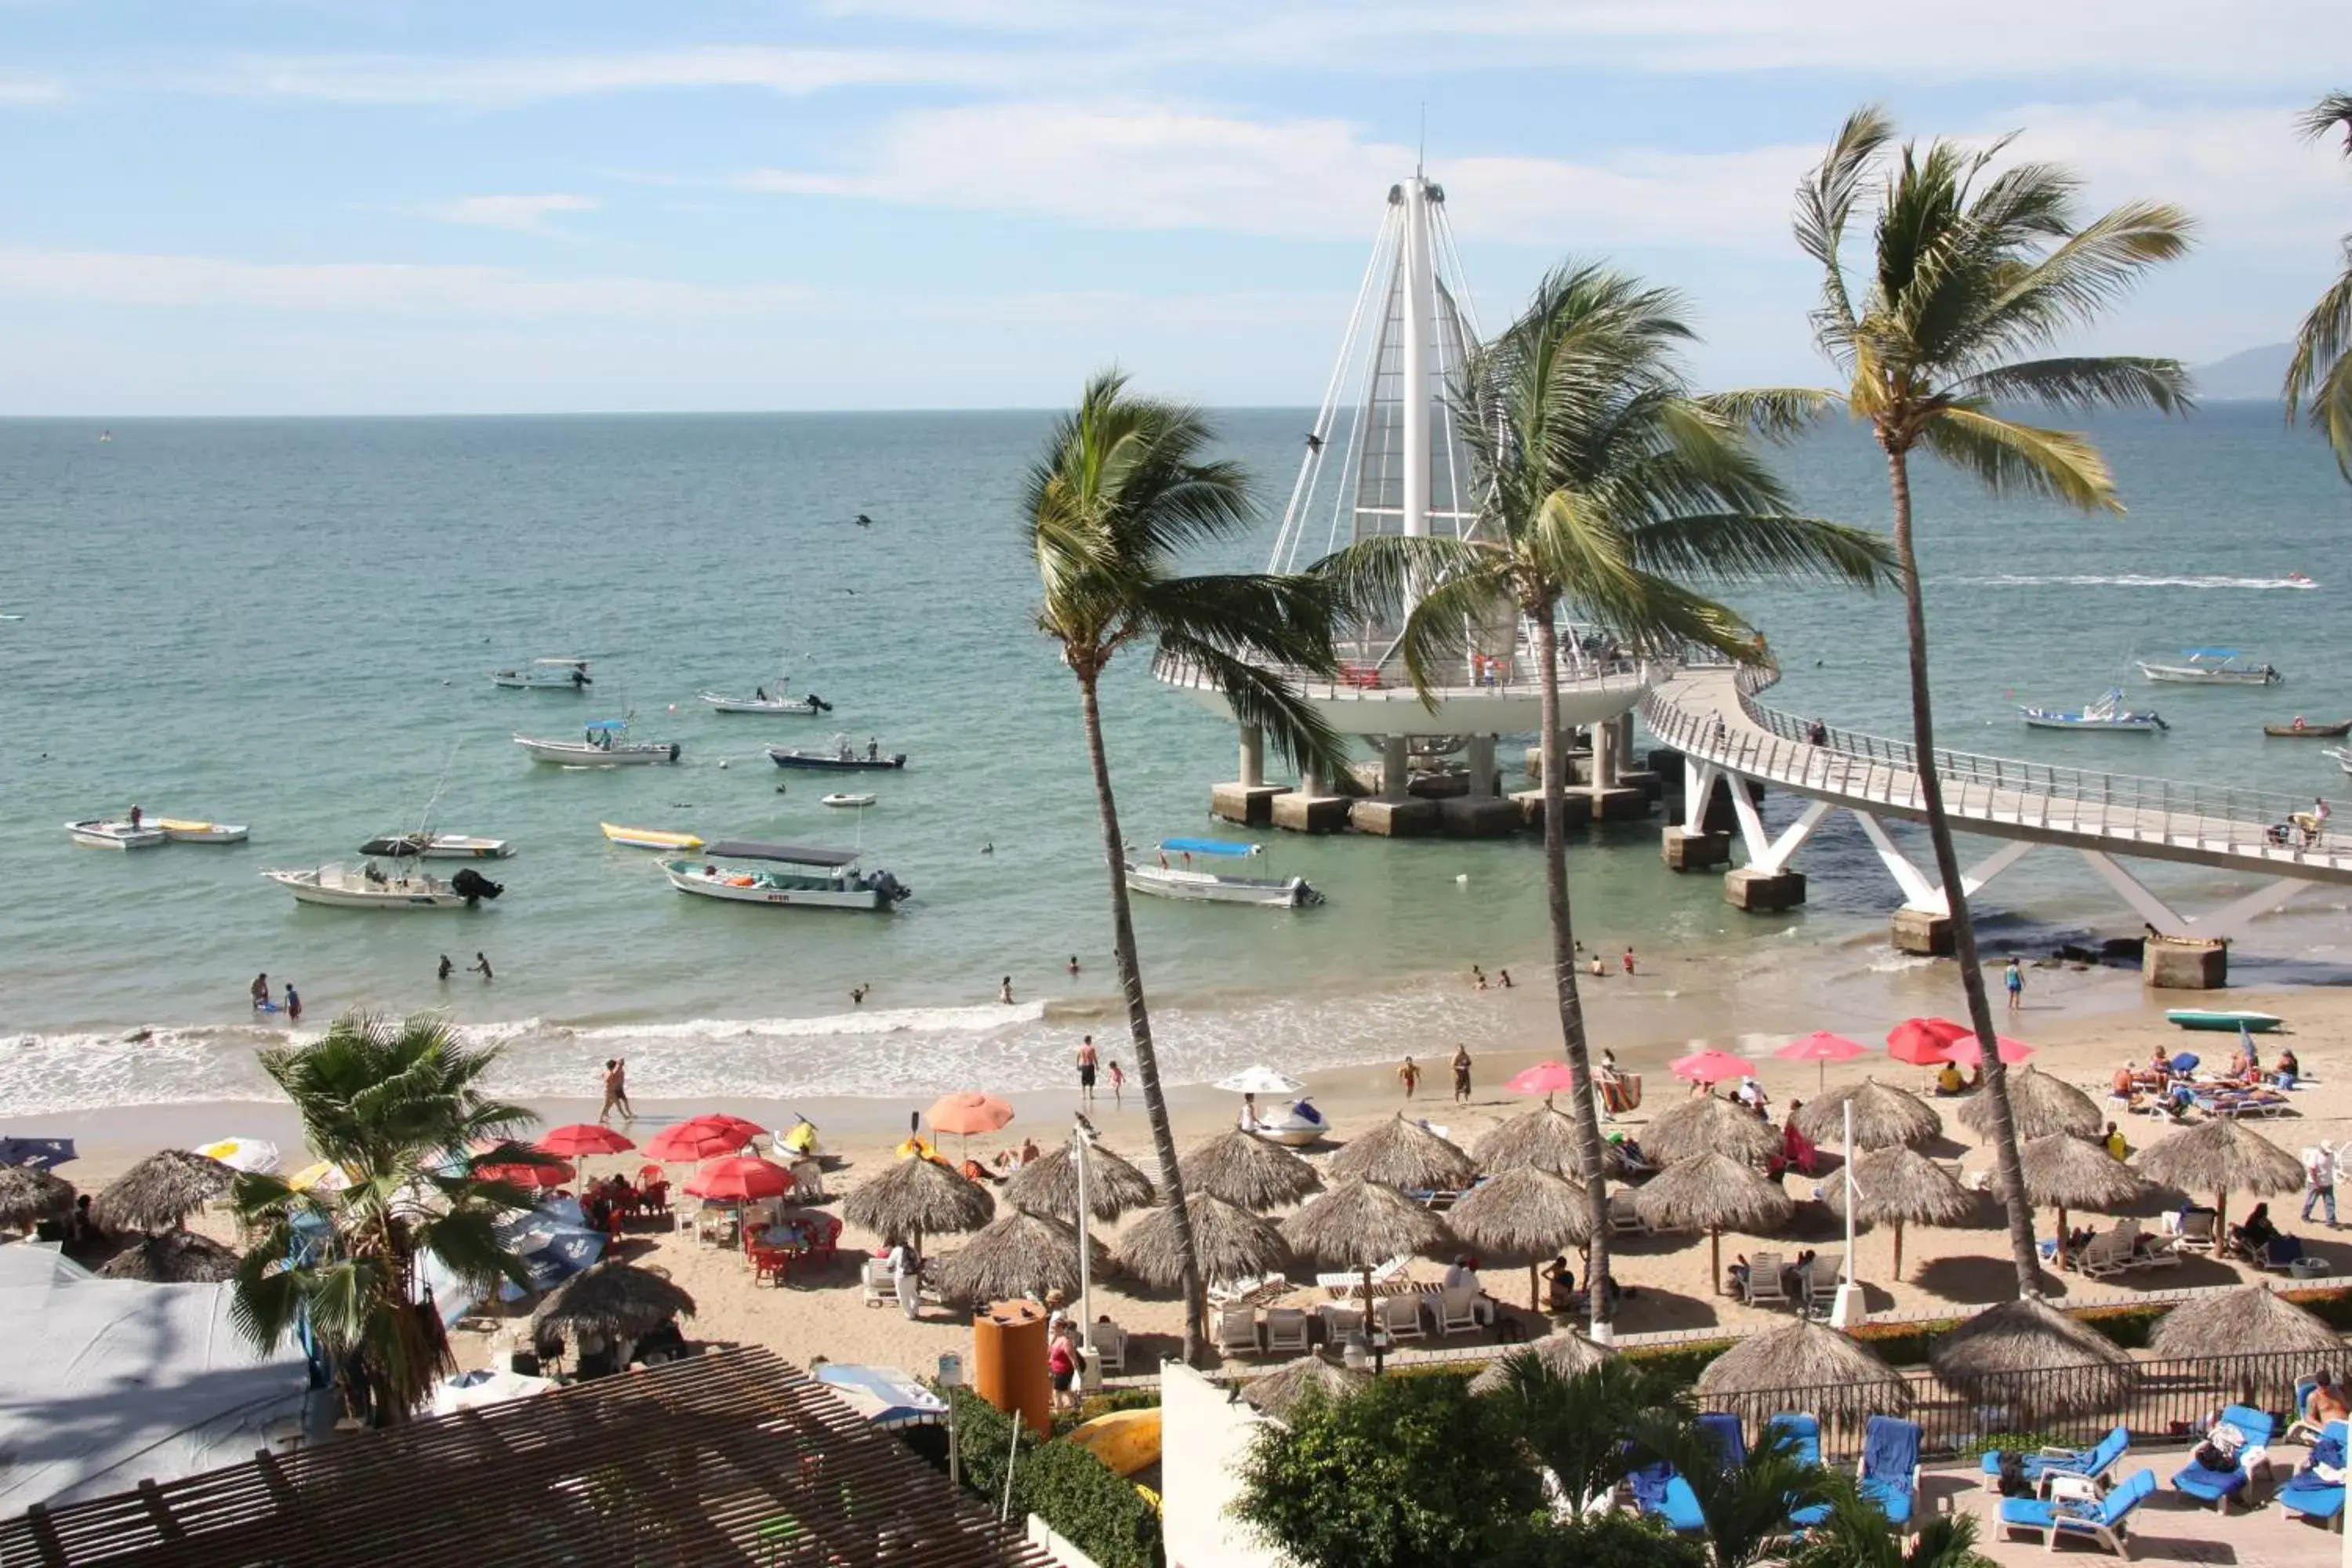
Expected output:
(1711, 1067)
(743, 1178)
(1924, 1042)
(967, 1111)
(584, 1138)
(741, 1128)
(1824, 1047)
(695, 1140)
(518, 1175)
(1546, 1078)
(1964, 1050)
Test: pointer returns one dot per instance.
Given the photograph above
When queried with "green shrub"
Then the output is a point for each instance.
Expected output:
(1618, 1540)
(1098, 1512)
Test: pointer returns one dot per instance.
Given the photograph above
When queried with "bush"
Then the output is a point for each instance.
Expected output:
(1100, 1513)
(1618, 1540)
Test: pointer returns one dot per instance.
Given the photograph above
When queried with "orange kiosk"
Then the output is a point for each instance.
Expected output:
(1008, 1361)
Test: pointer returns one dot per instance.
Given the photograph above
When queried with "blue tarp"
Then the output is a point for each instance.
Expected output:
(41, 1154)
(1207, 846)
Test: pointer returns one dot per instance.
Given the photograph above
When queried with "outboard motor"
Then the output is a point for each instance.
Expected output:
(819, 703)
(473, 886)
(890, 887)
(673, 751)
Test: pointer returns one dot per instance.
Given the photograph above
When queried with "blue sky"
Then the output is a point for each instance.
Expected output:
(342, 206)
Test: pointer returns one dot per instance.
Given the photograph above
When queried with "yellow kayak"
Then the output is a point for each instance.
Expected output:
(649, 837)
(1126, 1440)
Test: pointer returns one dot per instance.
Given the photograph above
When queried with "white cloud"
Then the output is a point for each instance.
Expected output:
(28, 93)
(521, 213)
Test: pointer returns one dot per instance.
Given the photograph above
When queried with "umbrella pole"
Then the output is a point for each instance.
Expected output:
(1532, 1298)
(1714, 1257)
(2061, 1235)
(1086, 1269)
(1898, 1252)
(1371, 1333)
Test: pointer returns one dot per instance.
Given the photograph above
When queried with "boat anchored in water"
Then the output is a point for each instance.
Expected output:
(750, 871)
(437, 846)
(180, 830)
(546, 675)
(339, 887)
(842, 757)
(604, 743)
(2208, 667)
(839, 798)
(99, 833)
(774, 704)
(2107, 713)
(1181, 881)
(648, 837)
(2303, 730)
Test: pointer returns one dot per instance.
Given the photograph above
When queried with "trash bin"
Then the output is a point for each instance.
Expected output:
(1008, 1361)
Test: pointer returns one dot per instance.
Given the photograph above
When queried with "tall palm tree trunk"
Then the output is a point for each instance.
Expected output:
(1995, 1076)
(1563, 966)
(1139, 1023)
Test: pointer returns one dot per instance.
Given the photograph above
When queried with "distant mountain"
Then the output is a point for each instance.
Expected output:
(2253, 373)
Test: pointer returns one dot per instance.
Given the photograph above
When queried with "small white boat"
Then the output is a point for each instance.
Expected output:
(99, 834)
(546, 675)
(1178, 879)
(774, 704)
(753, 872)
(1297, 1126)
(2107, 713)
(369, 888)
(2208, 667)
(604, 743)
(845, 800)
(648, 837)
(181, 831)
(437, 846)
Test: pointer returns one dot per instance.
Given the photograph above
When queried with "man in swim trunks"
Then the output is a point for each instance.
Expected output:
(260, 990)
(1087, 1070)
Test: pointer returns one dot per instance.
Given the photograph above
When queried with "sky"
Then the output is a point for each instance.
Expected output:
(289, 207)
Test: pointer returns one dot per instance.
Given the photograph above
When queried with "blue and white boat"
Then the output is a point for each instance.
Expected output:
(1172, 874)
(2107, 713)
(2209, 666)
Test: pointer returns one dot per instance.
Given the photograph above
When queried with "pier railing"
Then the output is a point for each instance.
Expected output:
(1374, 673)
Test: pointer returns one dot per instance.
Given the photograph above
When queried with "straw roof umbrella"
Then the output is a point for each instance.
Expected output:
(1232, 1243)
(1021, 1254)
(1883, 1116)
(1897, 1186)
(1361, 1225)
(172, 1258)
(2033, 1361)
(1568, 1354)
(1523, 1215)
(1713, 1192)
(2250, 1318)
(615, 1300)
(1407, 1156)
(2041, 1105)
(2062, 1170)
(161, 1191)
(1049, 1184)
(1702, 1124)
(29, 1196)
(2221, 1157)
(1248, 1172)
(1278, 1393)
(1841, 1381)
(916, 1198)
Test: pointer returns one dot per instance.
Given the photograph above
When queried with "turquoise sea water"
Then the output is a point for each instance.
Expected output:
(291, 622)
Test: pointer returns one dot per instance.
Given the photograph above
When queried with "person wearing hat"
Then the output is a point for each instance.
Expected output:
(2319, 1181)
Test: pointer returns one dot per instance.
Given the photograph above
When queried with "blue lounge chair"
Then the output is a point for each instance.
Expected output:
(2305, 1492)
(2105, 1522)
(1657, 1490)
(1890, 1467)
(2220, 1485)
(2093, 1463)
(1804, 1446)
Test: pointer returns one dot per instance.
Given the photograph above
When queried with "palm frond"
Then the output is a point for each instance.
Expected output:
(1263, 698)
(2084, 384)
(2007, 457)
(1775, 413)
(1730, 547)
(2037, 303)
(1447, 623)
(2333, 110)
(1283, 619)
(2317, 371)
(1825, 203)
(1373, 580)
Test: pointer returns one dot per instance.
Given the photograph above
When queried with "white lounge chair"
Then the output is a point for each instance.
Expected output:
(1457, 1308)
(2109, 1252)
(1765, 1285)
(1110, 1345)
(1400, 1317)
(1237, 1331)
(1622, 1218)
(1285, 1330)
(876, 1288)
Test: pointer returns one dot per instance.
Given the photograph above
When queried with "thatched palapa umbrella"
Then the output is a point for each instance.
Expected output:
(1523, 1215)
(1802, 1366)
(172, 1258)
(916, 1198)
(613, 1299)
(1232, 1243)
(1883, 1116)
(1022, 1254)
(2252, 1318)
(1361, 1225)
(2031, 1361)
(2041, 1106)
(1704, 1125)
(1896, 1185)
(1567, 1354)
(1049, 1184)
(1247, 1172)
(29, 1196)
(1713, 1192)
(1407, 1156)
(1278, 1393)
(2221, 1157)
(1545, 1139)
(2062, 1170)
(161, 1191)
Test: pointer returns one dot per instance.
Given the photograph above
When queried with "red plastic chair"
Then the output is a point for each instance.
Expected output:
(769, 1266)
(828, 1244)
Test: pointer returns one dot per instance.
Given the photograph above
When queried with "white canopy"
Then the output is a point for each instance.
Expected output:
(1259, 1080)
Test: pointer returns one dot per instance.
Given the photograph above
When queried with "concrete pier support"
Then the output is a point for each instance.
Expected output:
(1251, 806)
(1683, 851)
(2185, 963)
(1395, 784)
(1921, 933)
(1474, 816)
(1253, 756)
(1763, 892)
(1483, 780)
(1307, 809)
(1575, 809)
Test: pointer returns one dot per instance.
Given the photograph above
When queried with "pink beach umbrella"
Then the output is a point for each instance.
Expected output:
(1923, 1042)
(1546, 1078)
(1963, 1051)
(1711, 1067)
(1824, 1047)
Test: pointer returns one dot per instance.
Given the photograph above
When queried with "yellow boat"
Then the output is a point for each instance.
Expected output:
(649, 837)
(1126, 1440)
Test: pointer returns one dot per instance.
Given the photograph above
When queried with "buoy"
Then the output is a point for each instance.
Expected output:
(1462, 879)
(723, 762)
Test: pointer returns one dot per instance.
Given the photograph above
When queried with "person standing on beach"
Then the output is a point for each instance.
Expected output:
(1461, 1074)
(617, 1091)
(1087, 1070)
(906, 1266)
(260, 990)
(1410, 1076)
(2319, 1181)
(481, 965)
(293, 1005)
(1629, 959)
(446, 969)
(2013, 978)
(1117, 1083)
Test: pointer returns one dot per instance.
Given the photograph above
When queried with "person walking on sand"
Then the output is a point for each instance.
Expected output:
(617, 1091)
(447, 968)
(481, 965)
(2014, 977)
(1117, 1083)
(293, 1005)
(2319, 1181)
(260, 992)
(1629, 960)
(1004, 991)
(1087, 1070)
(1410, 1076)
(1461, 1074)
(906, 1266)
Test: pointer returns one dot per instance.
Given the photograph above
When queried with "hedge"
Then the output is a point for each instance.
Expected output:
(1100, 1513)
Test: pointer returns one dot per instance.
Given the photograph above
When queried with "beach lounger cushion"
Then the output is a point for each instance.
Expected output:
(2245, 1431)
(2092, 1462)
(2316, 1490)
(2105, 1520)
(1890, 1467)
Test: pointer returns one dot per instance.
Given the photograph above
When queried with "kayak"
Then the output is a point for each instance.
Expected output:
(2230, 1022)
(1126, 1440)
(649, 837)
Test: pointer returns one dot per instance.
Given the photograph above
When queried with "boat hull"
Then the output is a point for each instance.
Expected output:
(181, 832)
(773, 708)
(740, 889)
(437, 846)
(2135, 725)
(830, 762)
(2230, 1023)
(334, 888)
(649, 837)
(2190, 675)
(96, 834)
(847, 801)
(2309, 731)
(1201, 887)
(1291, 1131)
(580, 755)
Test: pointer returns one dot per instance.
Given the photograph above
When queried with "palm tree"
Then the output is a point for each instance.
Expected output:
(1746, 1504)
(397, 1104)
(1575, 1422)
(2321, 367)
(1122, 490)
(1603, 478)
(1855, 1535)
(1965, 277)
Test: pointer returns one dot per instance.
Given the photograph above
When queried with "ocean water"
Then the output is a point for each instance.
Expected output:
(291, 623)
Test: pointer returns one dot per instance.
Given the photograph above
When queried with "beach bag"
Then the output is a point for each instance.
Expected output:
(2218, 1451)
(2012, 1475)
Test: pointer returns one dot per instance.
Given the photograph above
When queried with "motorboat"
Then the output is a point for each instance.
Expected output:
(840, 799)
(751, 871)
(2223, 1022)
(774, 704)
(2303, 730)
(100, 834)
(1295, 1126)
(437, 846)
(2208, 667)
(840, 757)
(2107, 713)
(341, 886)
(1180, 879)
(546, 675)
(180, 830)
(648, 837)
(603, 744)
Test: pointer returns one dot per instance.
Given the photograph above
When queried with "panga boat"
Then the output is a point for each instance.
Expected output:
(2107, 713)
(369, 888)
(753, 872)
(178, 830)
(606, 743)
(841, 758)
(838, 798)
(2208, 667)
(764, 701)
(437, 846)
(2230, 1023)
(1178, 879)
(649, 837)
(97, 834)
(2300, 730)
(546, 675)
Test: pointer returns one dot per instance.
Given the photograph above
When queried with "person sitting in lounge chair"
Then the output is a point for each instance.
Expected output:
(2327, 1402)
(2256, 1232)
(1559, 1284)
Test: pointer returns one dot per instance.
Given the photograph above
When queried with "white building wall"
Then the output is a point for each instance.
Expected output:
(1203, 1437)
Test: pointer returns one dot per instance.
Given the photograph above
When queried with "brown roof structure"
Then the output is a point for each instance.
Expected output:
(731, 1457)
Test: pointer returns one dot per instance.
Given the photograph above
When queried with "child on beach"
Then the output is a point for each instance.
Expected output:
(2014, 977)
(1409, 1076)
(293, 1005)
(1117, 1083)
(481, 965)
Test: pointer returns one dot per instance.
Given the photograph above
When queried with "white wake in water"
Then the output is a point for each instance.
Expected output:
(2020, 580)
